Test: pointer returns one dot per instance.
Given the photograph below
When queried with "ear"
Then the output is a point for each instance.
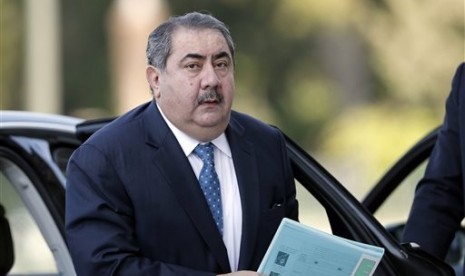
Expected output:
(153, 78)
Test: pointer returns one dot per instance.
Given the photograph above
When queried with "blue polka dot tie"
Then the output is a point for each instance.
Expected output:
(209, 182)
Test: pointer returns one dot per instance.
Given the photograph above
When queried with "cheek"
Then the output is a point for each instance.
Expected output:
(229, 82)
(229, 89)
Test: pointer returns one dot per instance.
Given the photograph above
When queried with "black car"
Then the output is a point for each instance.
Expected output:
(35, 148)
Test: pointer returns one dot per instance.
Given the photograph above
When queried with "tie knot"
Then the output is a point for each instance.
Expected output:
(204, 152)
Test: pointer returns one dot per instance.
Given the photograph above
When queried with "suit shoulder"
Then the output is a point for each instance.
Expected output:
(120, 129)
(251, 124)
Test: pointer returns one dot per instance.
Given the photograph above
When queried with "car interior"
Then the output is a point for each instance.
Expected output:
(6, 244)
(30, 240)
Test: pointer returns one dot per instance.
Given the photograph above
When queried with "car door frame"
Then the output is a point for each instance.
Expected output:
(350, 219)
(391, 180)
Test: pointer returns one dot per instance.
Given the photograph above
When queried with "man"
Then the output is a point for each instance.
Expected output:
(134, 202)
(438, 207)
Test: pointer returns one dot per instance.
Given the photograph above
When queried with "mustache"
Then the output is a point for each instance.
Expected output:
(210, 95)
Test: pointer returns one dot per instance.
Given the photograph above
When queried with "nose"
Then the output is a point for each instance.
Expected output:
(210, 78)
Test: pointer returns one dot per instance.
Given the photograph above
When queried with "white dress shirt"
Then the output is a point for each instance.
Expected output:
(230, 196)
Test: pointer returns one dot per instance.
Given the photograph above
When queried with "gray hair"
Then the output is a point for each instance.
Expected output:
(159, 42)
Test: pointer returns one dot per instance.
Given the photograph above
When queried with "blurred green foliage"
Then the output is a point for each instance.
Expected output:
(340, 77)
(11, 30)
(87, 82)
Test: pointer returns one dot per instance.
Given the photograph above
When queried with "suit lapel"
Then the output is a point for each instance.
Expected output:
(245, 164)
(170, 159)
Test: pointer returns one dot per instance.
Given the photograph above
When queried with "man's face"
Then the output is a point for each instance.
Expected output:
(196, 90)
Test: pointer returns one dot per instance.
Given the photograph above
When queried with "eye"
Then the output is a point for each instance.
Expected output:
(223, 64)
(193, 66)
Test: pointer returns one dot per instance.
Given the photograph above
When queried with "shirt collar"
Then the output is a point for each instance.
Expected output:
(188, 143)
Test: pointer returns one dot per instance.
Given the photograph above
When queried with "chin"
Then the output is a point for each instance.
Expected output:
(215, 124)
(214, 119)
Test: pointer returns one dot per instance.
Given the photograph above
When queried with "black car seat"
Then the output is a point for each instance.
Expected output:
(6, 244)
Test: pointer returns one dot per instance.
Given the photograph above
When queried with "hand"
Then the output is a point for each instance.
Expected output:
(243, 273)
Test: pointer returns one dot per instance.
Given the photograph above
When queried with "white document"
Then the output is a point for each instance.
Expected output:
(297, 249)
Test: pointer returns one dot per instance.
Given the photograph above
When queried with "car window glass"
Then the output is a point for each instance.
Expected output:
(61, 156)
(311, 212)
(397, 206)
(32, 255)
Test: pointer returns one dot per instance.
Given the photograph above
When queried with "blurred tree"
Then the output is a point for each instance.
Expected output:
(43, 73)
(11, 53)
(129, 25)
(416, 46)
(414, 49)
(87, 83)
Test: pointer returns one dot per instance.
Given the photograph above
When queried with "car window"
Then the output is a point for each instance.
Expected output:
(32, 255)
(311, 212)
(397, 206)
(39, 248)
(61, 157)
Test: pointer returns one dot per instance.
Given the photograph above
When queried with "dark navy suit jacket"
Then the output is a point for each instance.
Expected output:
(438, 207)
(134, 205)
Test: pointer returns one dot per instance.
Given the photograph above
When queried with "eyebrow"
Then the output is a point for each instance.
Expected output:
(221, 55)
(201, 57)
(194, 56)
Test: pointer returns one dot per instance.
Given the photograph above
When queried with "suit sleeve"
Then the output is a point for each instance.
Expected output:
(99, 222)
(292, 205)
(438, 204)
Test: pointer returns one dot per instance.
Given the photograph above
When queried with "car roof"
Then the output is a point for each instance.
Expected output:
(35, 120)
